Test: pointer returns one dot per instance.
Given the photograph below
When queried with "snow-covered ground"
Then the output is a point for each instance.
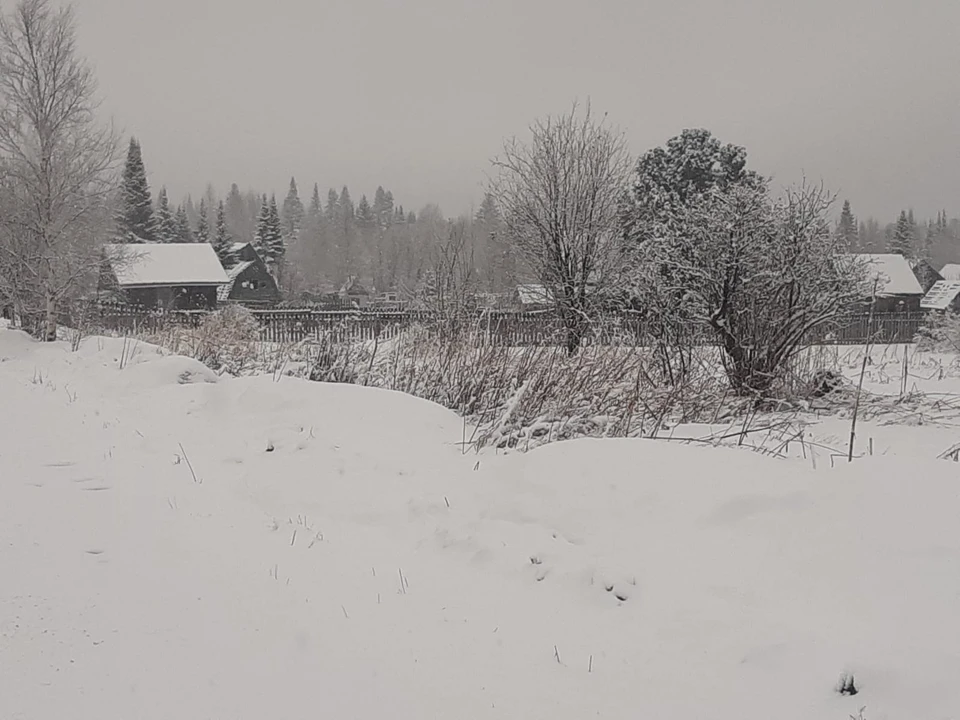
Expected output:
(178, 545)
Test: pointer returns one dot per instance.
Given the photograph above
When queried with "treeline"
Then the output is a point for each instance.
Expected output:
(323, 241)
(934, 239)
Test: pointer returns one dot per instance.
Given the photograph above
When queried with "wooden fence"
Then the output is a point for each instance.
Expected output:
(506, 327)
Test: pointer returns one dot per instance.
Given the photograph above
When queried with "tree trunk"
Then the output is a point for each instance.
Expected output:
(50, 320)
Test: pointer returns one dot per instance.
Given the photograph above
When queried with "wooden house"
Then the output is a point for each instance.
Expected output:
(249, 281)
(180, 276)
(925, 273)
(897, 288)
(950, 271)
(355, 293)
(532, 297)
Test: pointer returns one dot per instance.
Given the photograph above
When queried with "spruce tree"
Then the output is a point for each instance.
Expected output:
(902, 235)
(331, 210)
(166, 223)
(222, 240)
(203, 223)
(316, 208)
(847, 228)
(135, 220)
(365, 214)
(261, 237)
(292, 212)
(184, 233)
(274, 245)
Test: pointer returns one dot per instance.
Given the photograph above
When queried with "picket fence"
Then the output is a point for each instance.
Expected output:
(506, 327)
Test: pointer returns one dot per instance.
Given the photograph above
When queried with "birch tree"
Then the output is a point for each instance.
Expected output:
(559, 195)
(58, 164)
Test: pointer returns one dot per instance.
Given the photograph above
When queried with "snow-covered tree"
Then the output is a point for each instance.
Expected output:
(57, 164)
(183, 234)
(222, 240)
(383, 209)
(261, 237)
(762, 276)
(668, 178)
(365, 216)
(847, 227)
(560, 196)
(135, 221)
(273, 243)
(167, 231)
(203, 223)
(292, 215)
(902, 242)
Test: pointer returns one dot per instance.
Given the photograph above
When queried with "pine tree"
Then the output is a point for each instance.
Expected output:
(135, 220)
(222, 240)
(345, 206)
(203, 223)
(166, 223)
(292, 212)
(847, 228)
(183, 233)
(902, 236)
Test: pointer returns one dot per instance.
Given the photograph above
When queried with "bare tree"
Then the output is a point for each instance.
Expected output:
(762, 276)
(560, 197)
(57, 163)
(453, 279)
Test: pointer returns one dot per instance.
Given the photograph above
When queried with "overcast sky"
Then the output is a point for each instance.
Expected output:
(417, 95)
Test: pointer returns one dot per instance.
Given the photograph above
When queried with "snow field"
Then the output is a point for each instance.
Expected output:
(174, 544)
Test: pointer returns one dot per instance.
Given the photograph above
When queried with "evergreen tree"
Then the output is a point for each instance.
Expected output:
(365, 214)
(383, 207)
(183, 234)
(332, 201)
(135, 220)
(273, 242)
(166, 223)
(262, 236)
(902, 236)
(292, 212)
(847, 228)
(345, 207)
(315, 210)
(203, 223)
(222, 240)
(236, 214)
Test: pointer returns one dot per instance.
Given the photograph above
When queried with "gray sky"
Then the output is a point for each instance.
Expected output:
(417, 95)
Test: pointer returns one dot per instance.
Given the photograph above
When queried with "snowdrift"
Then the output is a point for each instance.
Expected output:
(174, 544)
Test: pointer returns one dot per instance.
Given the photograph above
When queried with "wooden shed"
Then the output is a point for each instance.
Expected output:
(179, 276)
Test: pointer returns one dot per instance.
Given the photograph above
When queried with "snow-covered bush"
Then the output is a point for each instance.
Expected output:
(940, 332)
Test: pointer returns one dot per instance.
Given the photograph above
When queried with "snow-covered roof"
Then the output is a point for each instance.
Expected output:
(534, 295)
(941, 295)
(894, 272)
(950, 271)
(153, 264)
(223, 292)
(238, 246)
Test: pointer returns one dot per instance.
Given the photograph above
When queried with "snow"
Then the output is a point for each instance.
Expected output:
(166, 264)
(894, 273)
(941, 295)
(177, 544)
(534, 294)
(950, 271)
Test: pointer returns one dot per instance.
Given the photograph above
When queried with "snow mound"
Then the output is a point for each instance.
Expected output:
(261, 548)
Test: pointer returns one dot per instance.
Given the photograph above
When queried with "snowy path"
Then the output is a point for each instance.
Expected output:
(364, 568)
